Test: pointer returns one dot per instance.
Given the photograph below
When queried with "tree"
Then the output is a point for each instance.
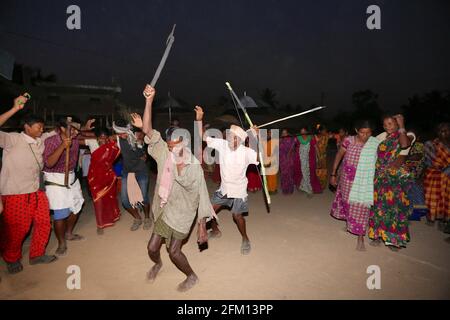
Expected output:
(367, 108)
(269, 96)
(425, 112)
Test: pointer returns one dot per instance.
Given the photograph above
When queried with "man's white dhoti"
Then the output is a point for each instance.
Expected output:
(60, 197)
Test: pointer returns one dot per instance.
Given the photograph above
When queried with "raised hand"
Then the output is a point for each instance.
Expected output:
(67, 142)
(202, 234)
(20, 101)
(136, 120)
(149, 92)
(198, 113)
(88, 126)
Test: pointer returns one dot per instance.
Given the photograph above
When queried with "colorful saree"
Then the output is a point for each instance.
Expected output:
(321, 171)
(437, 180)
(388, 219)
(308, 180)
(272, 165)
(289, 164)
(103, 184)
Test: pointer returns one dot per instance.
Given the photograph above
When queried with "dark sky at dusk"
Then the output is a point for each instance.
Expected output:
(298, 48)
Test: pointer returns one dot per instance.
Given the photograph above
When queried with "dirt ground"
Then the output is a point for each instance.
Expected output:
(299, 252)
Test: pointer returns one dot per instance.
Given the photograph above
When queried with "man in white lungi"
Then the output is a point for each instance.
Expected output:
(66, 201)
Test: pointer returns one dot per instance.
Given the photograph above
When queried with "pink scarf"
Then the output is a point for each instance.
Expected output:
(166, 182)
(134, 191)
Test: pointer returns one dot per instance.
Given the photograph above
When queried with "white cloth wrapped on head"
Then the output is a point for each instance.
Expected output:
(238, 131)
(131, 137)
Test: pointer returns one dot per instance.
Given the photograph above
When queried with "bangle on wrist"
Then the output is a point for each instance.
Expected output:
(402, 130)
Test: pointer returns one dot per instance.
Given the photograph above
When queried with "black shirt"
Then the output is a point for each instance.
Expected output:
(132, 161)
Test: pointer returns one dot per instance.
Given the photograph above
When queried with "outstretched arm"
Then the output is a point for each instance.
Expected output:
(149, 94)
(19, 104)
(199, 121)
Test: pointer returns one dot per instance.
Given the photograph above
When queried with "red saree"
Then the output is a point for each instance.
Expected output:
(103, 184)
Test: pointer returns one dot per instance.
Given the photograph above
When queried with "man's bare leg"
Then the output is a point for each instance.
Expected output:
(180, 261)
(134, 213)
(137, 218)
(215, 233)
(71, 220)
(60, 232)
(240, 222)
(147, 220)
(154, 247)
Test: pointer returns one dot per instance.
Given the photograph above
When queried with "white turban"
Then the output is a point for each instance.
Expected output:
(238, 131)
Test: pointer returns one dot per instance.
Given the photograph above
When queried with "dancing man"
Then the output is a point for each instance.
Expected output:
(234, 158)
(179, 193)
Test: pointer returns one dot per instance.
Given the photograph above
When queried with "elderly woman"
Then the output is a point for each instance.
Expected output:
(388, 219)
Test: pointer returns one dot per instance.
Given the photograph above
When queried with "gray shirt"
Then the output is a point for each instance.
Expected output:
(189, 193)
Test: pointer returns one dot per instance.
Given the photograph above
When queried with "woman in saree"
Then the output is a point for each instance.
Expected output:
(103, 180)
(388, 219)
(354, 194)
(322, 144)
(415, 162)
(309, 182)
(271, 162)
(437, 176)
(289, 162)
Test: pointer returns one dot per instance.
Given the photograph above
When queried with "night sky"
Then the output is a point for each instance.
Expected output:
(297, 48)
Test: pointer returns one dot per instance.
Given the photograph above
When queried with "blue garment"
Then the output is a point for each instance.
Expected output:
(417, 198)
(61, 214)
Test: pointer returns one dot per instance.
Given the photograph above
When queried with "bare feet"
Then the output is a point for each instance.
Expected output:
(61, 251)
(214, 234)
(360, 245)
(151, 275)
(74, 237)
(375, 243)
(100, 231)
(187, 284)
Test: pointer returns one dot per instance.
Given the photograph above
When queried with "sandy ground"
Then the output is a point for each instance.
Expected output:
(299, 252)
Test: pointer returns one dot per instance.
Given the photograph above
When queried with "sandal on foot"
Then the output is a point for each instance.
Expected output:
(43, 259)
(75, 237)
(136, 224)
(246, 247)
(14, 267)
(147, 224)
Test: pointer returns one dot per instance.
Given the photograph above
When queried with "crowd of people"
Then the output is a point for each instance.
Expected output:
(380, 183)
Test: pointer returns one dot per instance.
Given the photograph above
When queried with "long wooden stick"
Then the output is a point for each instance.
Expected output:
(247, 117)
(292, 116)
(66, 168)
